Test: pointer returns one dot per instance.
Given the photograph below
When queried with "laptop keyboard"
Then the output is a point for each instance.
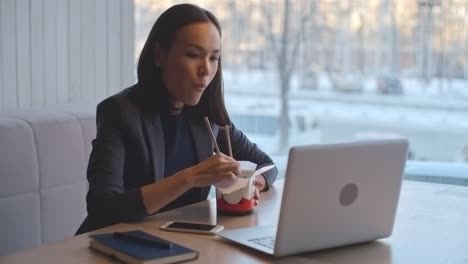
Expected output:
(268, 242)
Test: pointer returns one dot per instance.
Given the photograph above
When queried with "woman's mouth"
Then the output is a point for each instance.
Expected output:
(200, 86)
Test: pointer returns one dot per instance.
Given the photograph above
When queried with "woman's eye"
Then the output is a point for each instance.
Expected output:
(214, 59)
(192, 55)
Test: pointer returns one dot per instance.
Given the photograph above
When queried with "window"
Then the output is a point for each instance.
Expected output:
(304, 72)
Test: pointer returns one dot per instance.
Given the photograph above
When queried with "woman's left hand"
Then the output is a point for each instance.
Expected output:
(256, 196)
(259, 184)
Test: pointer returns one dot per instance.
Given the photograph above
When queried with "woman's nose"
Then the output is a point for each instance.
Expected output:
(204, 67)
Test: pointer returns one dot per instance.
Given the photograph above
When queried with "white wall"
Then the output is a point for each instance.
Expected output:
(61, 51)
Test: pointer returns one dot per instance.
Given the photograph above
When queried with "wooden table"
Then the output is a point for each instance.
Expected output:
(431, 227)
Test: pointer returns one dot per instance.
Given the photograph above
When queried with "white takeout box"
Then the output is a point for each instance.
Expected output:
(245, 179)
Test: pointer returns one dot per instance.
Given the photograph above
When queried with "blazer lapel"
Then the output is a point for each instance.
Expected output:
(202, 139)
(155, 136)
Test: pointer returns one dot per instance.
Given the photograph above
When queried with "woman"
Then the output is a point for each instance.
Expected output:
(152, 150)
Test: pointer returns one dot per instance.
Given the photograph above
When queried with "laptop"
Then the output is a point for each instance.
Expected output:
(333, 195)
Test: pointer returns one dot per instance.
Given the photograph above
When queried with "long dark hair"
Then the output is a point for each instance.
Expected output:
(149, 76)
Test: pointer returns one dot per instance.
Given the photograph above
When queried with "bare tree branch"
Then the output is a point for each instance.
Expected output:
(270, 36)
(284, 38)
(293, 57)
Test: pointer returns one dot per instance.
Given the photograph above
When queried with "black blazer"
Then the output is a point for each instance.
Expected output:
(128, 153)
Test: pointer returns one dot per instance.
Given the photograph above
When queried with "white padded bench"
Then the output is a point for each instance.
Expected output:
(43, 159)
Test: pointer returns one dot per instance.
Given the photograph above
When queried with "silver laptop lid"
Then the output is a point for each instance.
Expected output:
(338, 194)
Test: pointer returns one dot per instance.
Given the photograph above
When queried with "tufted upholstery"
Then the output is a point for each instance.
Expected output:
(43, 159)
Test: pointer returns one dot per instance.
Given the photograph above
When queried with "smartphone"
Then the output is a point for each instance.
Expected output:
(197, 228)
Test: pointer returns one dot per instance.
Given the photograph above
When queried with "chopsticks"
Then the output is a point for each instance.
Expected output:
(228, 139)
(213, 139)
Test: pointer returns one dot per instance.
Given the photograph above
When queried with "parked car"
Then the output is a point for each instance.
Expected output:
(309, 80)
(347, 83)
(304, 121)
(389, 84)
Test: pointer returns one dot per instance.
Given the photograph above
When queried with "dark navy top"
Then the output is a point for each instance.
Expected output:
(180, 154)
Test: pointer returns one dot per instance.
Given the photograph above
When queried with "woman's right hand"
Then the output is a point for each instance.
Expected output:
(217, 168)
